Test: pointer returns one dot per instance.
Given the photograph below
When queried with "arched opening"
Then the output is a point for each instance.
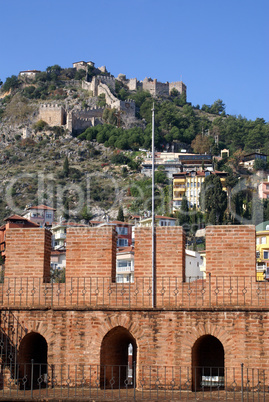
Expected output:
(117, 359)
(207, 363)
(33, 358)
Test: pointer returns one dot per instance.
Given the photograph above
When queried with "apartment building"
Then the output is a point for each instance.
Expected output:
(188, 184)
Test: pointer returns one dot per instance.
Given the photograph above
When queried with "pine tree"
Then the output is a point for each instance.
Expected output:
(120, 216)
(183, 217)
(213, 199)
(66, 167)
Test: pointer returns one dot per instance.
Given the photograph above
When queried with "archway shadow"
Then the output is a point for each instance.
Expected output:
(33, 361)
(207, 363)
(117, 359)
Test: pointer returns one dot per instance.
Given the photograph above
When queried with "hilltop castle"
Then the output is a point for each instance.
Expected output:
(103, 83)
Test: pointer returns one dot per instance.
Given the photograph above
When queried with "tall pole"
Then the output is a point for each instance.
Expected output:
(153, 211)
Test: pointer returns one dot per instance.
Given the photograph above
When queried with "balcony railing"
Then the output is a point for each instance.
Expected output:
(171, 292)
(60, 236)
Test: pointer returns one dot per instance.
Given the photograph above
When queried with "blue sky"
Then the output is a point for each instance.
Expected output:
(220, 49)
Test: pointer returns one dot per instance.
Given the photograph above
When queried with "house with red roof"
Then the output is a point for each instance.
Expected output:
(40, 214)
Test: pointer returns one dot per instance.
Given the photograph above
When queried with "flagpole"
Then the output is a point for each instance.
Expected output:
(153, 211)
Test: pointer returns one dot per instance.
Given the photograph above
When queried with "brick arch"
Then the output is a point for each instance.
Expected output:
(42, 329)
(120, 320)
(190, 337)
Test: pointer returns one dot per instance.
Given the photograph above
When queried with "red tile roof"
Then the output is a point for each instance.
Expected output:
(164, 217)
(42, 206)
(15, 218)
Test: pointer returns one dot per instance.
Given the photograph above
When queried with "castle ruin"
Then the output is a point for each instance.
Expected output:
(80, 120)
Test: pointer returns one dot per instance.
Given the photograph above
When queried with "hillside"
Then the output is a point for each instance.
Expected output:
(89, 116)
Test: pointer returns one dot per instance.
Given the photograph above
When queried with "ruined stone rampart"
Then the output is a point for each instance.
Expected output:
(80, 120)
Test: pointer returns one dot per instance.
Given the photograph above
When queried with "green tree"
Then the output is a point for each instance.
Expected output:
(260, 164)
(40, 125)
(201, 144)
(183, 217)
(213, 199)
(120, 216)
(86, 214)
(218, 107)
(66, 168)
(11, 83)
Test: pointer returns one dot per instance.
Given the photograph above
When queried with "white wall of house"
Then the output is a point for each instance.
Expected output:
(193, 264)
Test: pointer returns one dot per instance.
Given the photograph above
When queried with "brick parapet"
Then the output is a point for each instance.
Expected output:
(27, 253)
(231, 250)
(91, 252)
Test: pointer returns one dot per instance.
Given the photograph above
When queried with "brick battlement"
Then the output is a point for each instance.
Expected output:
(91, 269)
(220, 322)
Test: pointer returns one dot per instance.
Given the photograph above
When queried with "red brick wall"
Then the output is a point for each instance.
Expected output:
(231, 250)
(27, 253)
(163, 338)
(91, 252)
(170, 252)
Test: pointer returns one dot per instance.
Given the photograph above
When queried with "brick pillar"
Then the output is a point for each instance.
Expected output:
(91, 252)
(231, 250)
(169, 253)
(27, 253)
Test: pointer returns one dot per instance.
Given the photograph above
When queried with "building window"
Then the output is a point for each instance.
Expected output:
(266, 255)
(122, 230)
(263, 240)
(122, 243)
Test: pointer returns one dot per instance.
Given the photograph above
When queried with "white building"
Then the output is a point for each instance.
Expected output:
(194, 266)
(41, 214)
(125, 265)
(159, 221)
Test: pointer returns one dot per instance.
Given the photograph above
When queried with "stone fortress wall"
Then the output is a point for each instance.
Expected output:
(53, 114)
(79, 120)
(155, 87)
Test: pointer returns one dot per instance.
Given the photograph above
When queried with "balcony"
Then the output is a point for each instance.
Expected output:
(180, 181)
(178, 195)
(60, 236)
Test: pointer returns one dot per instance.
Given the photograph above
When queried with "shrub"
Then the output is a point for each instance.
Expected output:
(40, 125)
